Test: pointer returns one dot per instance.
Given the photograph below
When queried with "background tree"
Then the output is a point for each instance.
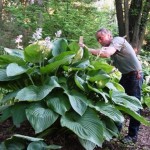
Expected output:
(135, 18)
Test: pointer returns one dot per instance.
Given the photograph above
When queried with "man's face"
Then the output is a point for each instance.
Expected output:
(103, 39)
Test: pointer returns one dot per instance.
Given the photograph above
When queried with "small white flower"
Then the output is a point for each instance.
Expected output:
(58, 33)
(48, 43)
(38, 34)
(18, 39)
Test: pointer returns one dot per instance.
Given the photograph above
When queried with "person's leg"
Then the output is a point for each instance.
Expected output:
(132, 86)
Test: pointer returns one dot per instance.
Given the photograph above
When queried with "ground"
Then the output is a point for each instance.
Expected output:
(70, 142)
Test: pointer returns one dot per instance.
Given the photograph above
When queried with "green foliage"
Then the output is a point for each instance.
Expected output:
(72, 17)
(19, 142)
(63, 87)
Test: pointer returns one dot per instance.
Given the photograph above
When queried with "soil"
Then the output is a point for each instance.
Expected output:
(70, 142)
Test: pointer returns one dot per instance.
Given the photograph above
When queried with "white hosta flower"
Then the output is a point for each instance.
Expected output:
(58, 33)
(48, 43)
(18, 39)
(38, 34)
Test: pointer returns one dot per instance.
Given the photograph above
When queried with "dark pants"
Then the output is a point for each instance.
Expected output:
(132, 84)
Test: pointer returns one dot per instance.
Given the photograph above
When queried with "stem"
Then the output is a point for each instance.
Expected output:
(31, 79)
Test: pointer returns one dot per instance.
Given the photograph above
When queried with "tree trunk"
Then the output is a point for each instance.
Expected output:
(1, 8)
(126, 14)
(119, 11)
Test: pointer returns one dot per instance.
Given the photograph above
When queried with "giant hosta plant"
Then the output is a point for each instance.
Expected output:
(63, 85)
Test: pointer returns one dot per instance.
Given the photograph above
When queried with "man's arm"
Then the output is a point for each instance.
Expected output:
(104, 52)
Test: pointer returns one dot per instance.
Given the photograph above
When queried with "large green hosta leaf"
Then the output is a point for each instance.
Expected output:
(80, 82)
(40, 117)
(59, 46)
(36, 52)
(14, 69)
(110, 128)
(33, 93)
(88, 126)
(99, 91)
(121, 98)
(134, 115)
(102, 65)
(4, 77)
(15, 52)
(61, 60)
(7, 59)
(58, 103)
(78, 102)
(109, 111)
(115, 86)
(88, 145)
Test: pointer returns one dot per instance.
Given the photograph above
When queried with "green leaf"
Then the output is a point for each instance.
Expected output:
(147, 101)
(36, 52)
(122, 99)
(88, 126)
(39, 145)
(134, 115)
(80, 82)
(7, 59)
(78, 102)
(8, 97)
(88, 145)
(58, 103)
(103, 94)
(56, 64)
(102, 65)
(4, 77)
(60, 45)
(115, 86)
(29, 138)
(15, 52)
(110, 128)
(109, 111)
(74, 46)
(18, 113)
(14, 69)
(33, 93)
(40, 118)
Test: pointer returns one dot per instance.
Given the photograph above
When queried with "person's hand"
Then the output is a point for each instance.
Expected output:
(82, 45)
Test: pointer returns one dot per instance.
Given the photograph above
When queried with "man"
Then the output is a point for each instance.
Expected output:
(125, 59)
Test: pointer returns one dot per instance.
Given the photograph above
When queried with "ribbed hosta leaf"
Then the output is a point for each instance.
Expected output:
(121, 98)
(109, 128)
(115, 86)
(88, 126)
(39, 145)
(80, 82)
(58, 103)
(18, 113)
(134, 115)
(40, 118)
(88, 145)
(78, 102)
(14, 69)
(59, 46)
(102, 65)
(33, 93)
(4, 77)
(7, 59)
(109, 111)
(99, 91)
(15, 52)
(56, 64)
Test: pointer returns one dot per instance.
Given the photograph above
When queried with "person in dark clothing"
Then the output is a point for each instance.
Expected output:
(125, 59)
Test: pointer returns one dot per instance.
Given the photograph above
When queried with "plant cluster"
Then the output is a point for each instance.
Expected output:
(53, 83)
